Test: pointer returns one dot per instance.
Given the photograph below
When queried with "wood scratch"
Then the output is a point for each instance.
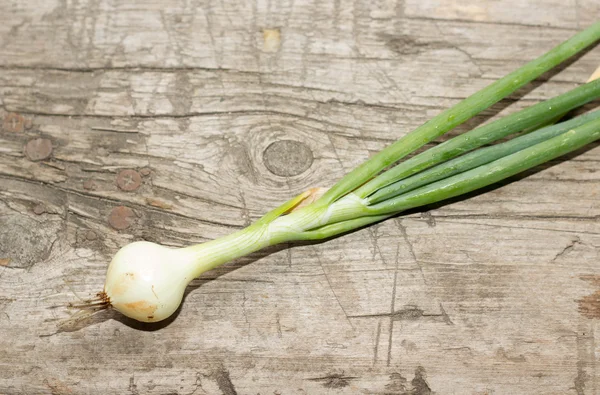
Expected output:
(289, 254)
(375, 348)
(393, 306)
(373, 233)
(277, 320)
(567, 248)
(245, 211)
(447, 319)
(411, 249)
(333, 291)
(244, 300)
(335, 152)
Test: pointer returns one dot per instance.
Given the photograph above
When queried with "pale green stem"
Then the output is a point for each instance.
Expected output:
(278, 230)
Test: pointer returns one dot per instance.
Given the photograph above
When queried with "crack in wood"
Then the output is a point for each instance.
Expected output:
(334, 380)
(483, 22)
(116, 202)
(568, 248)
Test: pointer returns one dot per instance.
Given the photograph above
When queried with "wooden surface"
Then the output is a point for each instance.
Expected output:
(226, 109)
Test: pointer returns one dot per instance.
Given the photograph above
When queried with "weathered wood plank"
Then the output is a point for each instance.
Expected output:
(495, 293)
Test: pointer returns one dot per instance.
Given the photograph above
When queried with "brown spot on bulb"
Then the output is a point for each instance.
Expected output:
(122, 284)
(142, 307)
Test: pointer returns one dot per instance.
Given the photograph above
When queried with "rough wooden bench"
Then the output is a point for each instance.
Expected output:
(177, 124)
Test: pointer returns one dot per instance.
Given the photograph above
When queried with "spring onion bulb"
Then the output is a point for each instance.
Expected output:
(146, 281)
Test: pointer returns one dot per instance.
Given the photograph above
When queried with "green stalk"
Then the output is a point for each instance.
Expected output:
(510, 124)
(492, 172)
(461, 112)
(477, 158)
(339, 228)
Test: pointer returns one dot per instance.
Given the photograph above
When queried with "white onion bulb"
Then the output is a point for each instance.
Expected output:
(146, 281)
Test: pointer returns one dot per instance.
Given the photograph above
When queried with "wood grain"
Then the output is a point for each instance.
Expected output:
(496, 293)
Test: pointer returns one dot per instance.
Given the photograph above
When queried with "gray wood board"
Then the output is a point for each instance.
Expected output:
(226, 109)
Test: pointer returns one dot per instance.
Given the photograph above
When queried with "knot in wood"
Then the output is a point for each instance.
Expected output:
(287, 158)
(38, 149)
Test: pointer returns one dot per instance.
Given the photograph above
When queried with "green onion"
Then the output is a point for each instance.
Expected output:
(462, 112)
(146, 281)
(476, 158)
(508, 125)
(494, 171)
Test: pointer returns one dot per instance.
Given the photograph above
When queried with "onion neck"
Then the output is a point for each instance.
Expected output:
(289, 227)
